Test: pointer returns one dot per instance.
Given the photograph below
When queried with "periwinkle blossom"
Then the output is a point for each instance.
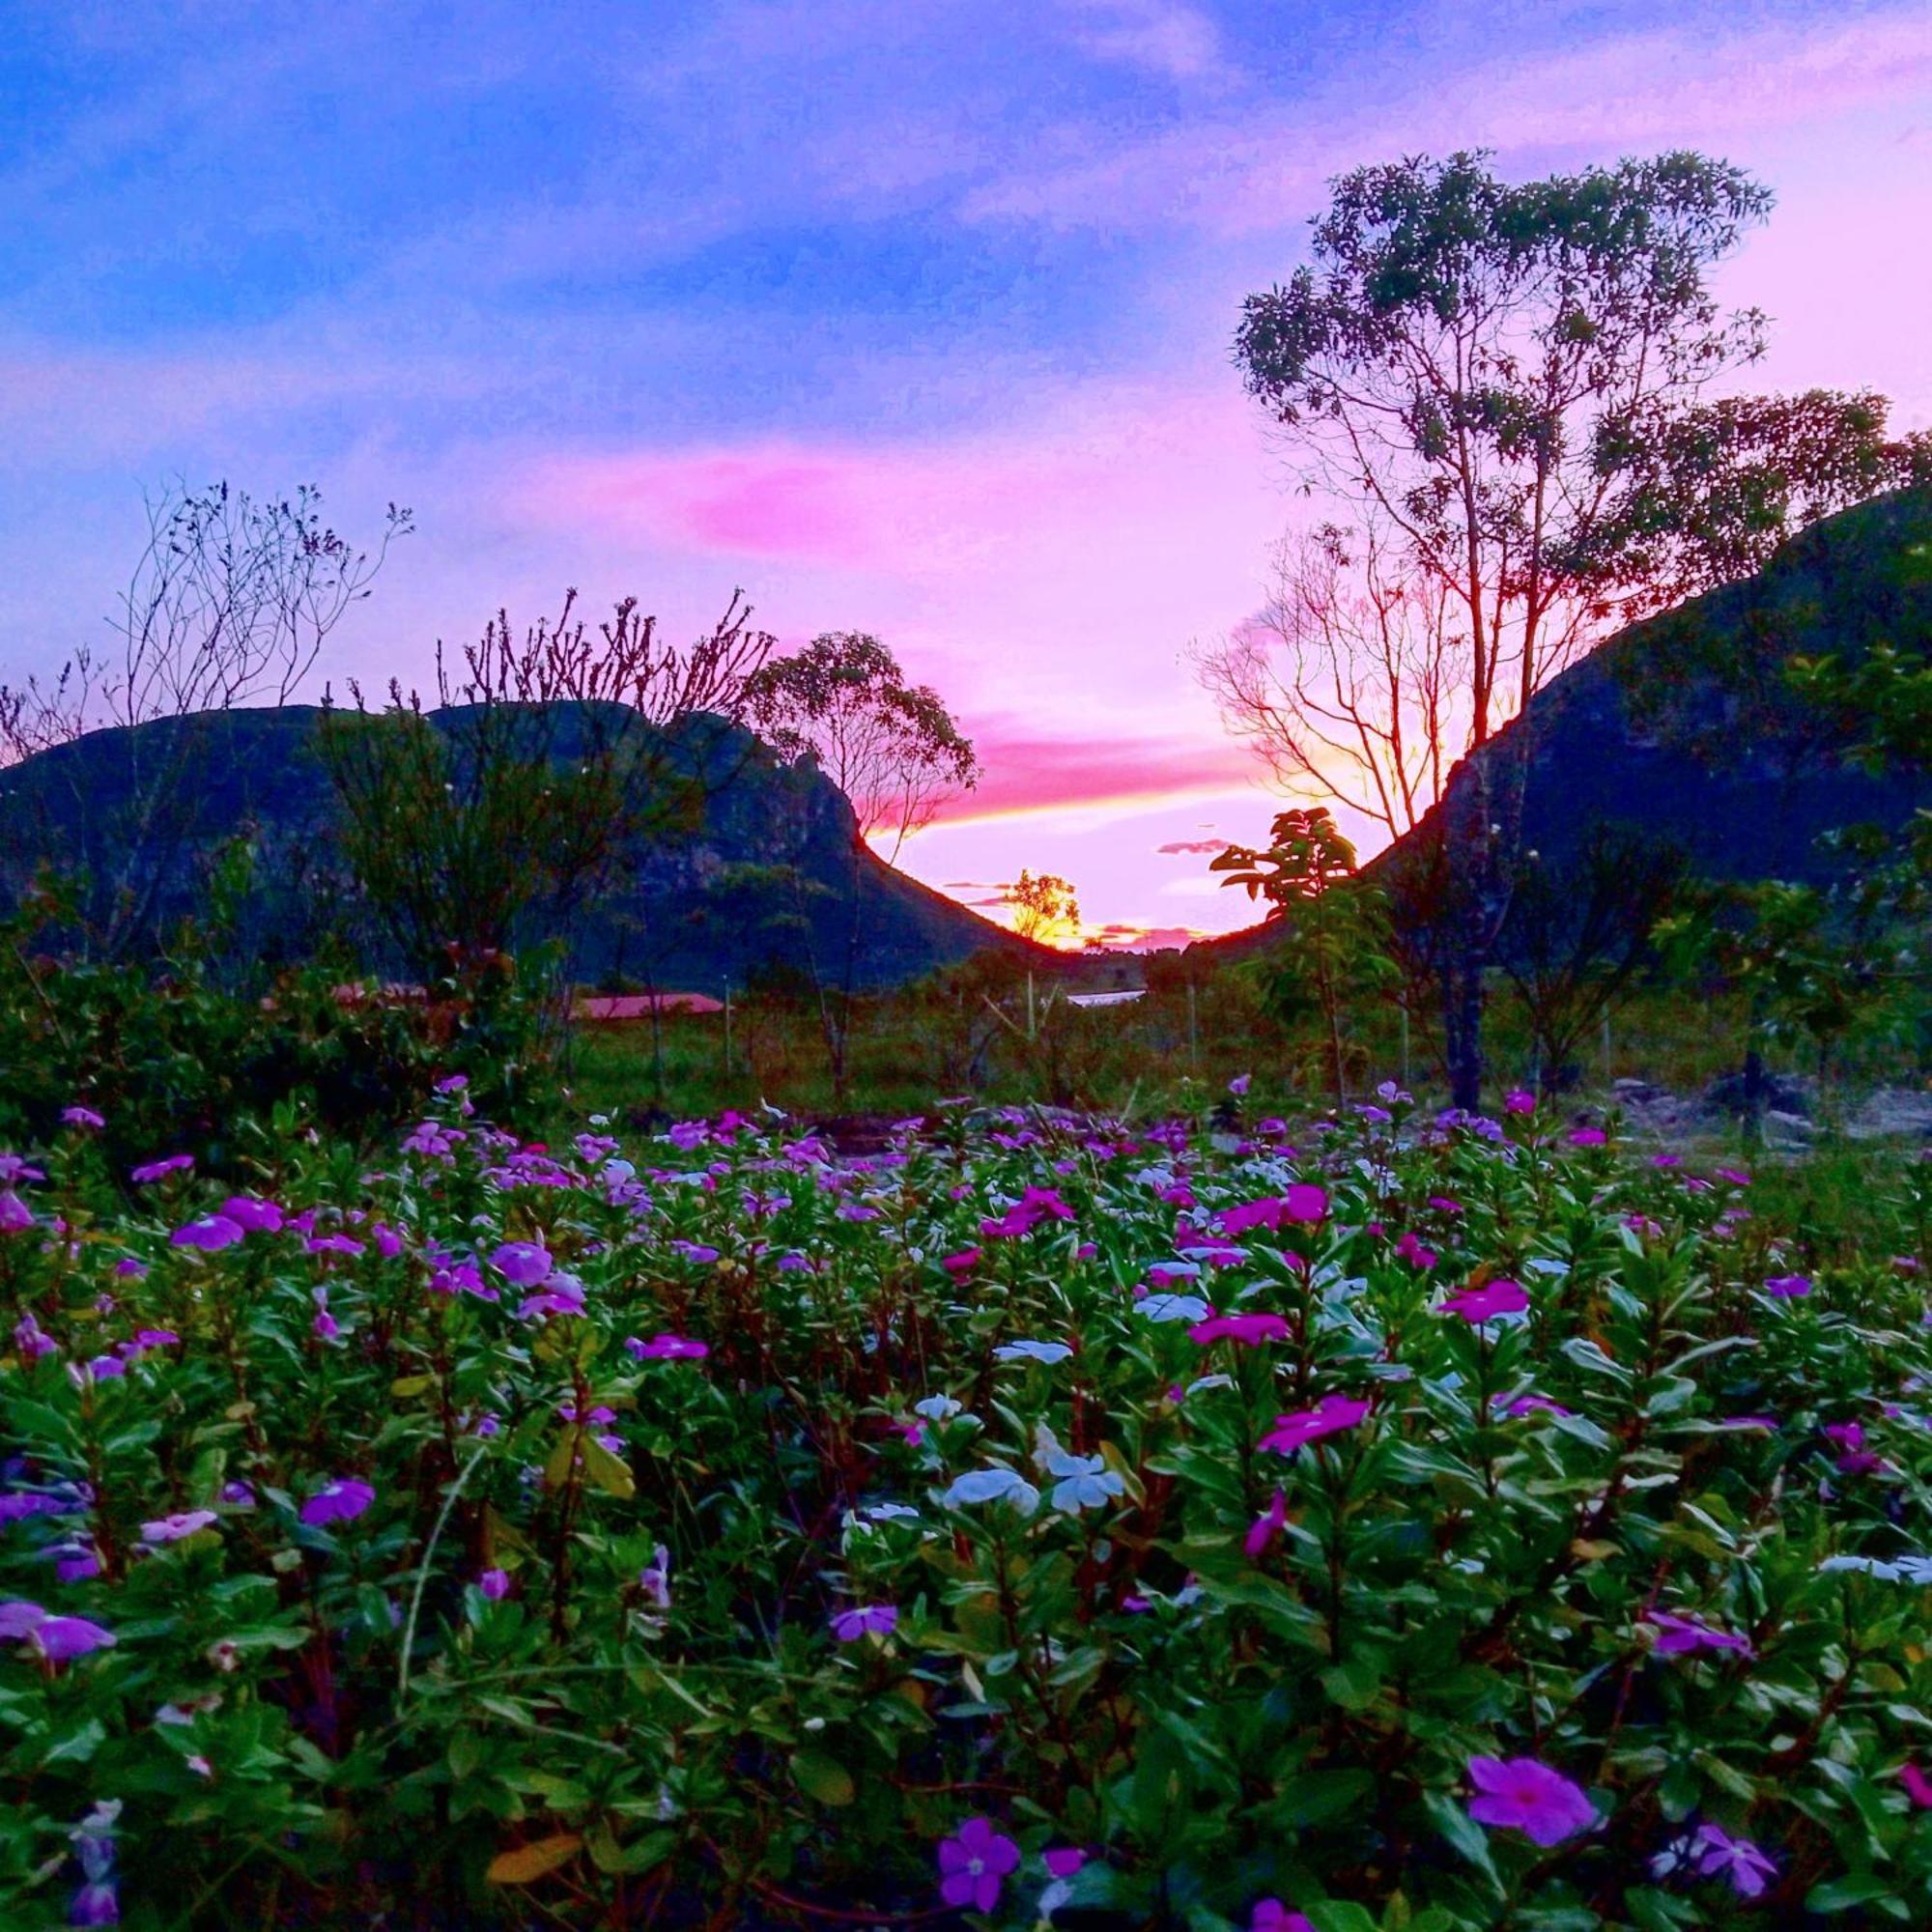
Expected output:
(1478, 1305)
(1531, 1404)
(667, 1348)
(82, 1117)
(523, 1263)
(495, 1584)
(654, 1578)
(1270, 1915)
(59, 1639)
(1679, 1635)
(1329, 1417)
(868, 1620)
(209, 1233)
(92, 1841)
(1849, 1439)
(173, 1528)
(150, 1172)
(340, 1501)
(15, 1216)
(1239, 1084)
(1519, 1100)
(997, 1483)
(1248, 1329)
(1266, 1528)
(974, 1864)
(1918, 1786)
(252, 1214)
(1304, 1202)
(1788, 1286)
(1046, 1353)
(1715, 1853)
(1523, 1794)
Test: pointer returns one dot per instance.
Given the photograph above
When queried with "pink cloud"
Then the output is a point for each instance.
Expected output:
(1025, 771)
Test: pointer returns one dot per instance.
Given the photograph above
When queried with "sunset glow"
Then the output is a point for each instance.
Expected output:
(913, 322)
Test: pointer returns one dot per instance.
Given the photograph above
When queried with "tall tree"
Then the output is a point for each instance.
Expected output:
(1489, 375)
(1040, 902)
(841, 706)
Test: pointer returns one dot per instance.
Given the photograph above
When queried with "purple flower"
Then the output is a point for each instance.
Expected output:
(18, 1619)
(1330, 1415)
(667, 1348)
(1681, 1634)
(1247, 1329)
(1238, 1085)
(253, 1216)
(1272, 1915)
(973, 1865)
(1788, 1285)
(1266, 1527)
(342, 1500)
(332, 1244)
(1588, 1137)
(524, 1264)
(495, 1584)
(59, 1638)
(159, 1170)
(1518, 1100)
(1477, 1305)
(81, 1117)
(94, 1904)
(1532, 1403)
(15, 1216)
(172, 1528)
(1715, 1853)
(1523, 1795)
(870, 1620)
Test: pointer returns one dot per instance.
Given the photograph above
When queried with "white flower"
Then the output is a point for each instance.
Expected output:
(1174, 1308)
(936, 1408)
(1032, 1351)
(1081, 1482)
(997, 1483)
(890, 1513)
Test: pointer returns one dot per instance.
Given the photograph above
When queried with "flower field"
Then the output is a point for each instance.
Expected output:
(1404, 1522)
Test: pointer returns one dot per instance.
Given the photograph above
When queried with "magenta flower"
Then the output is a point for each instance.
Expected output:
(15, 1216)
(210, 1232)
(1679, 1635)
(1265, 1527)
(1918, 1786)
(1063, 1861)
(1532, 1403)
(1477, 1305)
(18, 1619)
(61, 1638)
(495, 1584)
(667, 1348)
(1411, 1250)
(172, 1528)
(1717, 1854)
(1588, 1137)
(341, 1500)
(82, 1117)
(964, 1261)
(159, 1170)
(1518, 1100)
(1788, 1285)
(1247, 1329)
(1329, 1417)
(1238, 1085)
(973, 1865)
(1736, 1175)
(1272, 1915)
(252, 1216)
(870, 1620)
(1520, 1794)
(525, 1263)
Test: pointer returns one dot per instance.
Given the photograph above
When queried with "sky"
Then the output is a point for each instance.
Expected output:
(906, 316)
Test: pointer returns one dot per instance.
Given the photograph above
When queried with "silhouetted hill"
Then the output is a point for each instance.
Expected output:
(1684, 729)
(703, 904)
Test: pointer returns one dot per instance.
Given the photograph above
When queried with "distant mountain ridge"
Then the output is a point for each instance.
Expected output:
(700, 908)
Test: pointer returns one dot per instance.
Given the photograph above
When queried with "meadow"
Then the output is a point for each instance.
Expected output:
(1398, 1519)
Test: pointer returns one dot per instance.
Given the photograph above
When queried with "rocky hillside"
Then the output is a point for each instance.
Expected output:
(1684, 728)
(705, 904)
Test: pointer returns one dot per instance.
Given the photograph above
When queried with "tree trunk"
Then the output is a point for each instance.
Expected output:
(1462, 1025)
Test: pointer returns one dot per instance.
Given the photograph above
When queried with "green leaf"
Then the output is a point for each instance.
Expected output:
(1840, 1895)
(1462, 1832)
(608, 1472)
(823, 1778)
(527, 1863)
